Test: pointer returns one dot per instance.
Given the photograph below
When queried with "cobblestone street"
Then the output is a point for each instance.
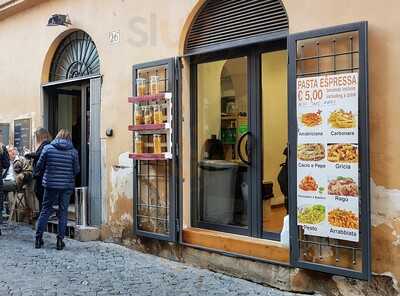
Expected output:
(104, 269)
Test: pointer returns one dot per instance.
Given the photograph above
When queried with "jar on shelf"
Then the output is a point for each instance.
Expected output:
(139, 144)
(141, 87)
(148, 115)
(154, 85)
(139, 115)
(158, 115)
(157, 144)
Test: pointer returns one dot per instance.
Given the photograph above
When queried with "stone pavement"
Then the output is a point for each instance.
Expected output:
(97, 268)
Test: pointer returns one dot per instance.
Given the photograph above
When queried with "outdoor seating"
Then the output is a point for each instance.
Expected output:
(19, 204)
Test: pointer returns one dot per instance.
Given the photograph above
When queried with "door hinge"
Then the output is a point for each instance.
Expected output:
(176, 150)
(178, 225)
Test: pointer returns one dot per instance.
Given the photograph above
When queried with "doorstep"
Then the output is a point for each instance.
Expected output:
(237, 244)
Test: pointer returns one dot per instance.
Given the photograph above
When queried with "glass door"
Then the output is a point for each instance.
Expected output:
(274, 140)
(222, 168)
(239, 140)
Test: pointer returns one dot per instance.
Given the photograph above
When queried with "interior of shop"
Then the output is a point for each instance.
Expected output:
(223, 115)
(69, 108)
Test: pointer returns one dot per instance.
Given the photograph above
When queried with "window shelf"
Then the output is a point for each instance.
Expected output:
(150, 98)
(150, 156)
(150, 128)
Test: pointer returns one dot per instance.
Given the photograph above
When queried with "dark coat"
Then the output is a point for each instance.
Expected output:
(59, 164)
(35, 157)
(4, 161)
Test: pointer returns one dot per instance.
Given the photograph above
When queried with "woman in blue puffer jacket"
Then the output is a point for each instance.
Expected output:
(59, 164)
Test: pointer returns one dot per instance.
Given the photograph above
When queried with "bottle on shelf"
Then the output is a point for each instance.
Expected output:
(148, 115)
(157, 144)
(158, 114)
(154, 85)
(139, 144)
(141, 87)
(138, 115)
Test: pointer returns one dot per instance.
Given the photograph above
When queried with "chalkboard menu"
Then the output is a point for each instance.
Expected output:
(22, 134)
(4, 133)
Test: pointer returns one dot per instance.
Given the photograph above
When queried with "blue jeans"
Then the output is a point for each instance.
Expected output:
(50, 198)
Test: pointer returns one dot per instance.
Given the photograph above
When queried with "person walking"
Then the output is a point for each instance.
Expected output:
(43, 139)
(59, 164)
(4, 165)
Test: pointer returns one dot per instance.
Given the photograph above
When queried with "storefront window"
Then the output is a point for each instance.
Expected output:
(274, 139)
(241, 124)
(222, 107)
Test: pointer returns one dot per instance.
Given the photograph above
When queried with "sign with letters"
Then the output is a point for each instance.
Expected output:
(328, 156)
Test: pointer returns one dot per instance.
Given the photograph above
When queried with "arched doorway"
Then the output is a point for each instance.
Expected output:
(72, 101)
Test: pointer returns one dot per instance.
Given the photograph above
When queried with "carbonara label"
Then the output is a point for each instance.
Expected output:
(328, 156)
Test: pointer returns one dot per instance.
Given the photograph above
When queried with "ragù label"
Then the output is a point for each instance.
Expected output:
(328, 156)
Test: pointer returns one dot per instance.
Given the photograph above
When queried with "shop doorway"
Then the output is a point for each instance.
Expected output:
(72, 99)
(75, 105)
(68, 107)
(242, 134)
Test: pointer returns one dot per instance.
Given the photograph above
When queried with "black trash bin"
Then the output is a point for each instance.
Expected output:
(217, 190)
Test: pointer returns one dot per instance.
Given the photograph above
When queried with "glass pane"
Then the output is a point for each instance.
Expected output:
(274, 139)
(328, 193)
(222, 121)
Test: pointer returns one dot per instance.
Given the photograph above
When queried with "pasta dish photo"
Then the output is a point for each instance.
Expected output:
(311, 119)
(343, 186)
(311, 152)
(342, 153)
(341, 119)
(312, 214)
(343, 218)
(308, 184)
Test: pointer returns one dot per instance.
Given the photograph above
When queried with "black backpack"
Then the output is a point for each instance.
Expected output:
(4, 161)
(283, 178)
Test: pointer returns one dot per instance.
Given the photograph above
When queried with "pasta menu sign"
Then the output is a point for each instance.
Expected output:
(328, 156)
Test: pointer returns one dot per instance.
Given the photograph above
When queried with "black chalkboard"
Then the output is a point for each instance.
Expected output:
(4, 133)
(22, 134)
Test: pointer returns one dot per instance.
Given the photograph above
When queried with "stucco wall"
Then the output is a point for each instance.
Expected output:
(148, 31)
(154, 30)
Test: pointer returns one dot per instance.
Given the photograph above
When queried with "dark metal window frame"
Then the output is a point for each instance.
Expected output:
(255, 212)
(365, 223)
(173, 191)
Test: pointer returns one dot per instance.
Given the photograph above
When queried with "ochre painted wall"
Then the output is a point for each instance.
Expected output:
(148, 30)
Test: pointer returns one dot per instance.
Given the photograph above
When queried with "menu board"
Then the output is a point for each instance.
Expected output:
(4, 133)
(22, 134)
(328, 156)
